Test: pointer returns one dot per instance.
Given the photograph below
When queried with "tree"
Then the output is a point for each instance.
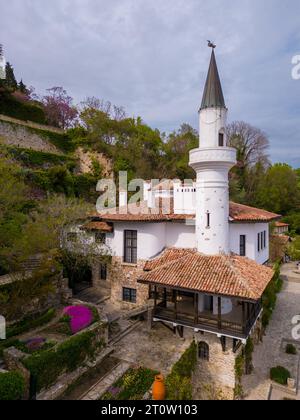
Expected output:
(251, 145)
(176, 153)
(10, 81)
(279, 191)
(59, 108)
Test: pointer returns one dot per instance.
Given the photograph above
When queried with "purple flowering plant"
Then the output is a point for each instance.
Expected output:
(80, 317)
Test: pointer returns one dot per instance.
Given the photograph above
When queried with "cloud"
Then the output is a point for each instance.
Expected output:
(151, 57)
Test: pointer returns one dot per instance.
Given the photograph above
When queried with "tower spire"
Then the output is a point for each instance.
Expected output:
(213, 94)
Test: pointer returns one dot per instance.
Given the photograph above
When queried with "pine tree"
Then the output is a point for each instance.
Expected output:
(22, 87)
(10, 81)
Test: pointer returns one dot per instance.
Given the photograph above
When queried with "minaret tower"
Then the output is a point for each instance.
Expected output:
(212, 162)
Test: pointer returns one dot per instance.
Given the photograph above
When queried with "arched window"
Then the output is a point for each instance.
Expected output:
(203, 351)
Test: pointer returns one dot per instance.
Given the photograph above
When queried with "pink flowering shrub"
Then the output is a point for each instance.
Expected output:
(80, 317)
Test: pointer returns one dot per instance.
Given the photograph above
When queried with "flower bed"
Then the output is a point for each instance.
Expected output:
(132, 386)
(75, 319)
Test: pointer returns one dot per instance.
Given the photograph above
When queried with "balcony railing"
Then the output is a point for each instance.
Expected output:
(210, 323)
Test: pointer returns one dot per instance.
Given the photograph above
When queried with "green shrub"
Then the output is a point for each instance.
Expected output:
(35, 158)
(270, 296)
(26, 111)
(291, 349)
(12, 386)
(280, 375)
(179, 386)
(30, 322)
(132, 386)
(47, 366)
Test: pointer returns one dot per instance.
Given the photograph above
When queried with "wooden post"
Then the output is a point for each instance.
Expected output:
(219, 313)
(155, 297)
(175, 304)
(196, 306)
(244, 317)
(165, 298)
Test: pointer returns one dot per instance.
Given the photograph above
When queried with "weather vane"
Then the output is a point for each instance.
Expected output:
(211, 44)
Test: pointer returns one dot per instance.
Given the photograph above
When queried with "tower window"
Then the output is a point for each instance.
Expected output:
(221, 140)
(208, 220)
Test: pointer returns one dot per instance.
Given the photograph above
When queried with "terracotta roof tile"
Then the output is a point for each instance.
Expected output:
(101, 226)
(281, 224)
(240, 212)
(165, 213)
(220, 275)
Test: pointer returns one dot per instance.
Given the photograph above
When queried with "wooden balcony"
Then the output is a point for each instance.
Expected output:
(182, 309)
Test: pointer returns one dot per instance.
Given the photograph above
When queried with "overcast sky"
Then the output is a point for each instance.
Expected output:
(151, 57)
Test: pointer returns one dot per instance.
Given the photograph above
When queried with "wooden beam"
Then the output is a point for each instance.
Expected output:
(155, 297)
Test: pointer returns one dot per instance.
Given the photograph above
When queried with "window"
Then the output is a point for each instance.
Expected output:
(221, 140)
(243, 245)
(72, 237)
(103, 271)
(130, 246)
(129, 295)
(265, 239)
(208, 220)
(203, 350)
(262, 240)
(100, 238)
(258, 242)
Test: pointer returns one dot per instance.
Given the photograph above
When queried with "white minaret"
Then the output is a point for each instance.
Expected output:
(212, 163)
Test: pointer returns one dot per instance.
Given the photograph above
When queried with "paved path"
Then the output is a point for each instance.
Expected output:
(158, 349)
(271, 352)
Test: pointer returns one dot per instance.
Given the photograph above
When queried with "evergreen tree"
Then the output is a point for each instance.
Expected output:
(22, 88)
(10, 81)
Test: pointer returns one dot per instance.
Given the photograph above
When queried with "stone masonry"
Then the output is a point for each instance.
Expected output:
(126, 275)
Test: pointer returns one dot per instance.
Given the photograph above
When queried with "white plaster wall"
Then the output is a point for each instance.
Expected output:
(180, 235)
(151, 239)
(212, 121)
(251, 231)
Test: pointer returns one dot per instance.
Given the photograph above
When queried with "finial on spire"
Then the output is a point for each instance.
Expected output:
(211, 44)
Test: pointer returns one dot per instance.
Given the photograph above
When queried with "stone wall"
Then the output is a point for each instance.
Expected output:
(22, 136)
(126, 275)
(217, 376)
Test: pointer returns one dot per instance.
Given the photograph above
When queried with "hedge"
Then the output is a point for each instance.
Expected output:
(30, 322)
(280, 375)
(35, 158)
(48, 365)
(25, 111)
(12, 386)
(270, 296)
(179, 386)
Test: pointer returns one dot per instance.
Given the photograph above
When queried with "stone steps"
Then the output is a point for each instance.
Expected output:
(124, 333)
(96, 392)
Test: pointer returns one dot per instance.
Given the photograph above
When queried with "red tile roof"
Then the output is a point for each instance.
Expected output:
(231, 276)
(165, 213)
(281, 224)
(101, 226)
(242, 213)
